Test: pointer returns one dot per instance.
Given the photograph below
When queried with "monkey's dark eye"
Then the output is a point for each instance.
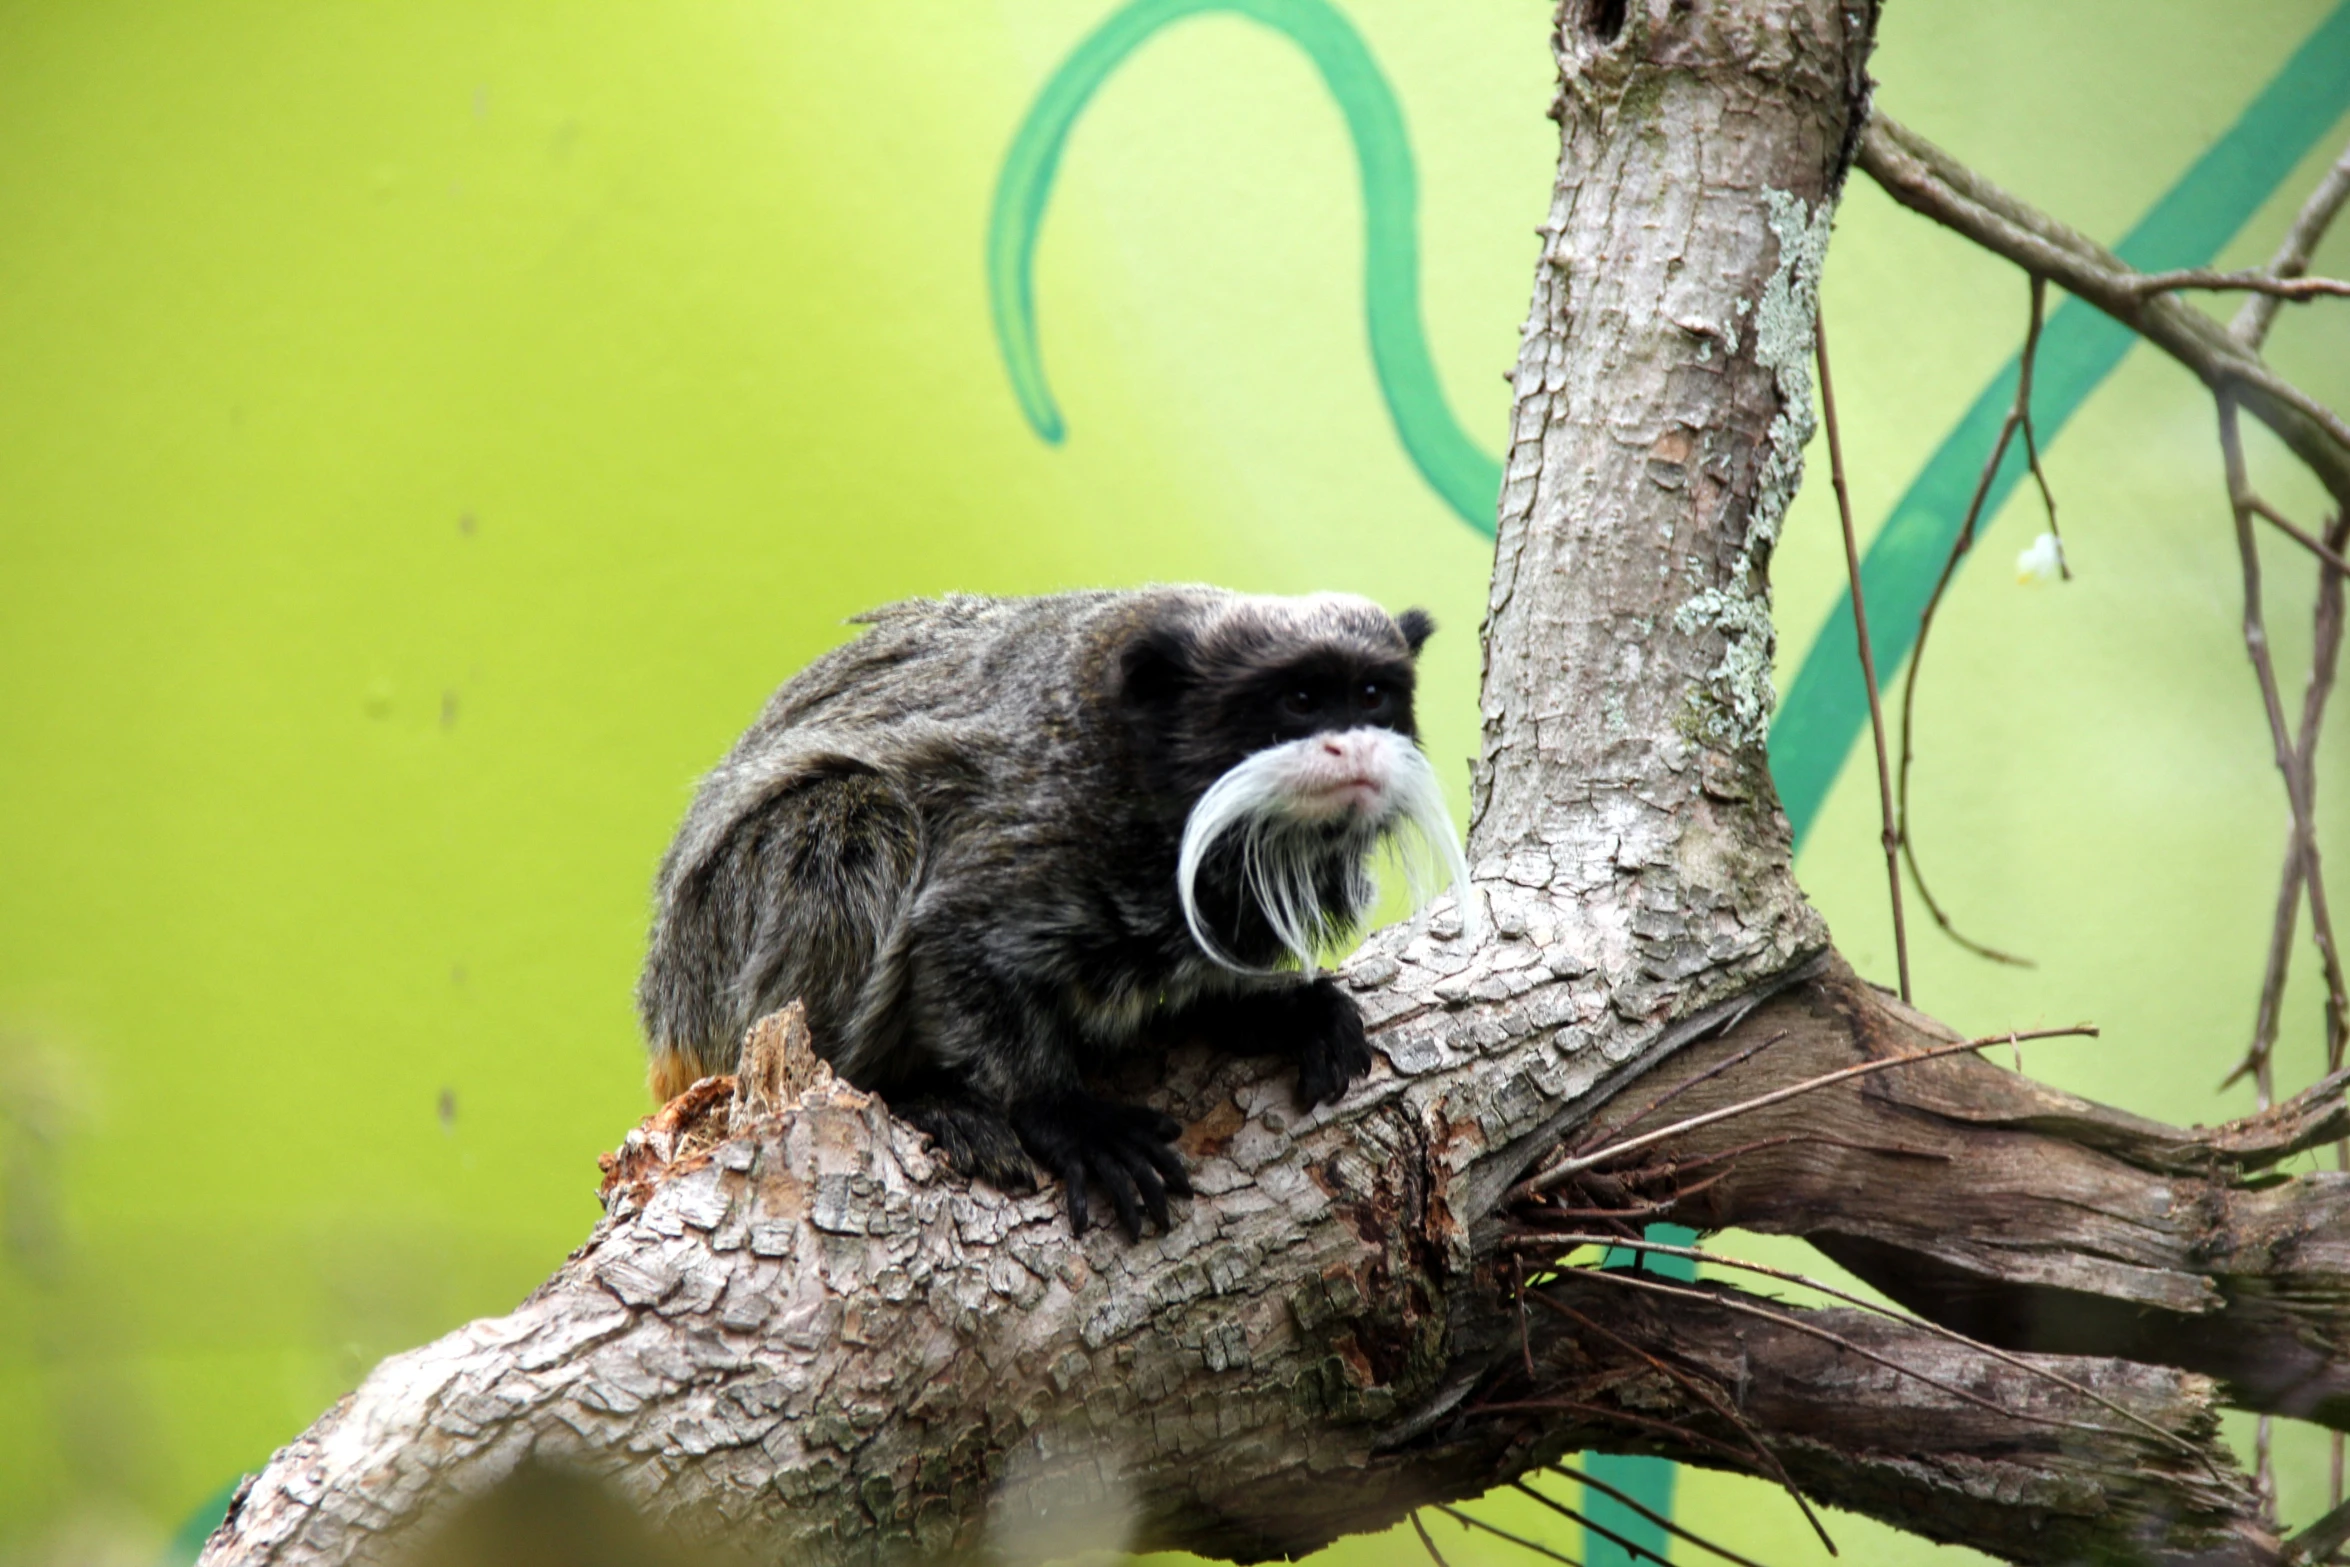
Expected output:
(1301, 703)
(1374, 696)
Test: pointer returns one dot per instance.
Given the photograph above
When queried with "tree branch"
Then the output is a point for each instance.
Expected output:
(2294, 289)
(2060, 1479)
(2309, 225)
(2019, 1215)
(1924, 178)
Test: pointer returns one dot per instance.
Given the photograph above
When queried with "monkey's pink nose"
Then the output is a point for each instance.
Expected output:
(1338, 773)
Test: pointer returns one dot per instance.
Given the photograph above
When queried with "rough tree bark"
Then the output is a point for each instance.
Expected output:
(793, 1333)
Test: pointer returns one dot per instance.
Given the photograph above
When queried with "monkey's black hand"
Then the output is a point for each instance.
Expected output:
(1122, 1150)
(1332, 1050)
(1314, 1023)
(974, 1138)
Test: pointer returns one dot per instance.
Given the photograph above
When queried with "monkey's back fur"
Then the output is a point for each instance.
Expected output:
(948, 839)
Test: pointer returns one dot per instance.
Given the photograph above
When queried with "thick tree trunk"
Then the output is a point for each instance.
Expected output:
(793, 1333)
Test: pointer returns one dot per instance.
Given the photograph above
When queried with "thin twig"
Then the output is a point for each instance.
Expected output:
(2250, 329)
(2019, 416)
(2031, 429)
(1478, 1523)
(1632, 1547)
(2292, 258)
(1421, 1530)
(2294, 289)
(1580, 1477)
(1558, 1174)
(1868, 655)
(1636, 1211)
(2288, 759)
(1697, 1388)
(2330, 555)
(2326, 647)
(1682, 1087)
(2264, 1471)
(1694, 1386)
(1675, 1169)
(1737, 1303)
(2322, 1541)
(1952, 1335)
(1525, 1334)
(1559, 1404)
(1921, 176)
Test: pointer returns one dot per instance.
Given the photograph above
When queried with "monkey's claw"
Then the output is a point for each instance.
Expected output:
(1123, 1151)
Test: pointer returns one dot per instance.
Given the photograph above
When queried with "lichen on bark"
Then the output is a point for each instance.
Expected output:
(1736, 702)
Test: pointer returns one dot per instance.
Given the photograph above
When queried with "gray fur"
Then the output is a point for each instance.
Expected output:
(942, 836)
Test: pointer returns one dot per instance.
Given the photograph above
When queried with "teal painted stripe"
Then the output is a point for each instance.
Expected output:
(188, 1542)
(1647, 1480)
(1465, 478)
(1826, 706)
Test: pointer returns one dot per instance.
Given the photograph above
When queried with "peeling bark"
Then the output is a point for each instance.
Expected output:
(794, 1334)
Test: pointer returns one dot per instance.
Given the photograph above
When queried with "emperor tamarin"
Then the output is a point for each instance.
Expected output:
(991, 843)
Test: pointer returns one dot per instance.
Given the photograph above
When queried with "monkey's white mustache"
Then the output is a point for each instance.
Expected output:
(1298, 807)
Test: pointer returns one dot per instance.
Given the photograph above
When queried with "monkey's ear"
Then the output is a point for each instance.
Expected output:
(1155, 668)
(1417, 626)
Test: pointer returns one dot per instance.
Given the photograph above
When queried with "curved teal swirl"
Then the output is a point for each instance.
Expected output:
(1465, 478)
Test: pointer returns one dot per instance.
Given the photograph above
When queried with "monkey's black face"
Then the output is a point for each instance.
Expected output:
(1315, 695)
(1281, 737)
(1200, 705)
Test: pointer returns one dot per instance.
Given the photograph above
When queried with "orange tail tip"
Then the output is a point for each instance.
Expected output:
(669, 1074)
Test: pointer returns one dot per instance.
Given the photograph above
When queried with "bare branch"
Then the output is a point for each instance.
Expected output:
(2291, 290)
(2144, 1241)
(2019, 417)
(1938, 1475)
(2298, 794)
(1921, 176)
(2328, 555)
(1699, 1254)
(1421, 1530)
(1560, 1173)
(1868, 653)
(1712, 1399)
(1629, 1547)
(1583, 1478)
(1520, 1541)
(2325, 655)
(1731, 1300)
(2292, 258)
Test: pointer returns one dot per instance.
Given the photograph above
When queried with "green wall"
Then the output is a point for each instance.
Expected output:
(427, 432)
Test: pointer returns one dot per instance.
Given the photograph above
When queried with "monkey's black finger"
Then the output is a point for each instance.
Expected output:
(1154, 1198)
(1326, 1075)
(1073, 1182)
(1169, 1164)
(1135, 1158)
(1120, 1187)
(1163, 1127)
